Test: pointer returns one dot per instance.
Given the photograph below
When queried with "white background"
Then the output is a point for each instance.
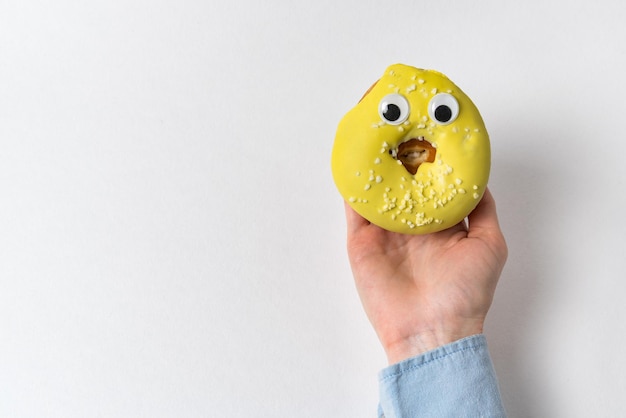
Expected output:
(172, 244)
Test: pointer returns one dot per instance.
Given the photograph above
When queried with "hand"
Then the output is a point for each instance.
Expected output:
(423, 291)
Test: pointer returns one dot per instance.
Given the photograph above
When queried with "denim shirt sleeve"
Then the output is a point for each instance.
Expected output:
(455, 380)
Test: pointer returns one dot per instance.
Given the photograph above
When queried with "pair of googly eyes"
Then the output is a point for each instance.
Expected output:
(394, 109)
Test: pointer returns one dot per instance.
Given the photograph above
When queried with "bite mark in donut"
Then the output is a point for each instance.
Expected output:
(414, 152)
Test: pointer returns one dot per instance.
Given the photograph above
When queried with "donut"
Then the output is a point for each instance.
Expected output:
(413, 156)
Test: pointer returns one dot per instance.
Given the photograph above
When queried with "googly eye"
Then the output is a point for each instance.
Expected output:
(394, 109)
(443, 108)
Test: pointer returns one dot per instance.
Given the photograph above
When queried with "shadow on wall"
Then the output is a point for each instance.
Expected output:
(518, 183)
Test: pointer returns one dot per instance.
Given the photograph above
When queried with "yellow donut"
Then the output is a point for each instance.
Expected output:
(413, 156)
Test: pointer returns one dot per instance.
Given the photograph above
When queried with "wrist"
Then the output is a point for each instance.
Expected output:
(423, 342)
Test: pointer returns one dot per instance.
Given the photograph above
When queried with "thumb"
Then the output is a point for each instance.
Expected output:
(483, 222)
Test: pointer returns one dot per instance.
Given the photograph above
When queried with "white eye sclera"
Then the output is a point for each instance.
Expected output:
(394, 109)
(443, 108)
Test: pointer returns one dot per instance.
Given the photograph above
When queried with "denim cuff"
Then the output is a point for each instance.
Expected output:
(457, 379)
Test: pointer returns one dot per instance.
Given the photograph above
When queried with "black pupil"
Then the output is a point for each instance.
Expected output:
(443, 113)
(391, 112)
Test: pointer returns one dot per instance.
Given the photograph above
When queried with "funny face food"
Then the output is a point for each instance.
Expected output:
(413, 155)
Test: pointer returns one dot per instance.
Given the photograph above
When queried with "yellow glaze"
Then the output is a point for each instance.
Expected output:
(380, 188)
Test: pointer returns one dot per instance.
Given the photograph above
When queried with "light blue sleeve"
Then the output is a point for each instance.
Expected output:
(455, 380)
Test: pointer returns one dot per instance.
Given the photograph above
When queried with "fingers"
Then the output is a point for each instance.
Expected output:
(483, 224)
(484, 219)
(354, 221)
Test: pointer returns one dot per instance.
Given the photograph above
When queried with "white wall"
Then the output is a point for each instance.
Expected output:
(172, 244)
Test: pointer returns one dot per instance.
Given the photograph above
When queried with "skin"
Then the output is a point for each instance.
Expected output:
(424, 291)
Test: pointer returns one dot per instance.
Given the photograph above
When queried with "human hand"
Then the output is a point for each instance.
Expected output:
(423, 291)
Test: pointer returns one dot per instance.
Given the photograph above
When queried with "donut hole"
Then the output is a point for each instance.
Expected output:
(414, 152)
